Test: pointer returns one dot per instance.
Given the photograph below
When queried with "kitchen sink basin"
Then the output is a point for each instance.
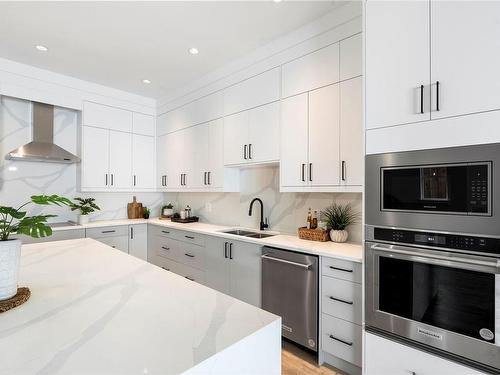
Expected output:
(247, 233)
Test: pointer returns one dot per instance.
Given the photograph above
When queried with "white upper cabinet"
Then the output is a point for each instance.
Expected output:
(324, 135)
(174, 160)
(103, 116)
(95, 158)
(397, 62)
(196, 157)
(465, 57)
(317, 69)
(120, 160)
(253, 92)
(351, 61)
(143, 165)
(143, 124)
(252, 136)
(294, 140)
(351, 132)
(215, 172)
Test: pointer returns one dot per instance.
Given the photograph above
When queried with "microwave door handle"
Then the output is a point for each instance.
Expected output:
(477, 262)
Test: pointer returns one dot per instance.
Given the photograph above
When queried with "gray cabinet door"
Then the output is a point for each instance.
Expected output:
(245, 273)
(138, 241)
(217, 264)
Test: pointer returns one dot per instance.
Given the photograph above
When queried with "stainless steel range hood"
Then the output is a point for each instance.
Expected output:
(42, 148)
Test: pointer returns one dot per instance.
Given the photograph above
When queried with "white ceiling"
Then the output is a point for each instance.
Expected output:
(118, 44)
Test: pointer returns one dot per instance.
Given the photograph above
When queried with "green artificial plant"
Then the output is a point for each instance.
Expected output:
(339, 216)
(85, 205)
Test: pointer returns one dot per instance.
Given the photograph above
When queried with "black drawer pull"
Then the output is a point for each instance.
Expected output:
(165, 248)
(190, 237)
(341, 300)
(340, 340)
(166, 232)
(340, 269)
(189, 255)
(108, 231)
(189, 278)
(166, 269)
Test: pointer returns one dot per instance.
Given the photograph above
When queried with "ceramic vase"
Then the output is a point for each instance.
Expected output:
(10, 255)
(338, 235)
(83, 219)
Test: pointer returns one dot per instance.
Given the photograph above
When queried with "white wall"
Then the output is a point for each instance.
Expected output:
(20, 179)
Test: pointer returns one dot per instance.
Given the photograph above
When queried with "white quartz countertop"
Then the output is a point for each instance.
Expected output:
(96, 310)
(348, 251)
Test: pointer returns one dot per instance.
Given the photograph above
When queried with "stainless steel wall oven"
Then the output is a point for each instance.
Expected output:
(432, 251)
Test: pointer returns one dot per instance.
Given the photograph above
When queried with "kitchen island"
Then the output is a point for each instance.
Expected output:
(96, 310)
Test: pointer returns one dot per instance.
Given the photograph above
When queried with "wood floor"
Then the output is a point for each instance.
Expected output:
(296, 361)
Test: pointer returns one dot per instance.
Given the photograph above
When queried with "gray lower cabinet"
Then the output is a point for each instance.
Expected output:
(59, 235)
(138, 241)
(234, 268)
(114, 236)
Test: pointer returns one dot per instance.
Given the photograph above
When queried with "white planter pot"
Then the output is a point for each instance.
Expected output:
(83, 219)
(10, 255)
(338, 235)
(168, 212)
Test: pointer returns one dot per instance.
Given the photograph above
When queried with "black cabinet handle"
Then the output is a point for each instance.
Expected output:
(189, 278)
(437, 95)
(310, 171)
(341, 300)
(421, 98)
(225, 250)
(165, 248)
(250, 151)
(204, 178)
(340, 269)
(189, 255)
(209, 182)
(343, 170)
(135, 179)
(166, 232)
(303, 173)
(340, 340)
(112, 179)
(190, 237)
(106, 179)
(165, 268)
(131, 233)
(108, 231)
(230, 250)
(245, 152)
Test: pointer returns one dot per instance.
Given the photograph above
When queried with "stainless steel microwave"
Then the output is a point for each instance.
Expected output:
(450, 189)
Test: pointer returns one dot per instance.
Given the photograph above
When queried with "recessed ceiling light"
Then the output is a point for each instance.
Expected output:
(146, 81)
(41, 48)
(193, 51)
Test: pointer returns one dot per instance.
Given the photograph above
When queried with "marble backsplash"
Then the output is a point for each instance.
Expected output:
(285, 211)
(20, 179)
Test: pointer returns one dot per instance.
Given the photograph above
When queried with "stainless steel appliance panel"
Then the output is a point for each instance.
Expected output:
(290, 290)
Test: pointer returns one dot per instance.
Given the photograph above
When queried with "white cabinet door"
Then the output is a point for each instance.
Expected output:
(253, 92)
(143, 162)
(143, 124)
(215, 178)
(465, 56)
(324, 134)
(263, 133)
(246, 272)
(174, 150)
(120, 160)
(351, 57)
(235, 138)
(405, 360)
(95, 158)
(161, 161)
(196, 156)
(351, 132)
(397, 62)
(317, 69)
(138, 241)
(104, 116)
(217, 263)
(294, 140)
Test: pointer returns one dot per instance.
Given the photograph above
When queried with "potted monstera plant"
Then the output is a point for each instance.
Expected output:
(86, 206)
(14, 221)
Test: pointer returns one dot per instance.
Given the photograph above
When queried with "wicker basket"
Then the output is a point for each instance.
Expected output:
(313, 234)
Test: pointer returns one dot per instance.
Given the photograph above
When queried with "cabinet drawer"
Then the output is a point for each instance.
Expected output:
(190, 273)
(341, 269)
(188, 237)
(190, 254)
(167, 265)
(103, 232)
(342, 299)
(342, 339)
(116, 242)
(164, 247)
(162, 231)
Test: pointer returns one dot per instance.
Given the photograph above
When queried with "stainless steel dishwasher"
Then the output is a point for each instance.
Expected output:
(290, 290)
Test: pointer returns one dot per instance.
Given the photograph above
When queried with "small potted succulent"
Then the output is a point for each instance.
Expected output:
(167, 210)
(85, 206)
(338, 217)
(146, 212)
(14, 221)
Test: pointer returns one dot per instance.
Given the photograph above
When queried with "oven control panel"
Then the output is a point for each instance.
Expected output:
(439, 240)
(478, 188)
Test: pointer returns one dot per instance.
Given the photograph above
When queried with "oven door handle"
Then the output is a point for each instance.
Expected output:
(494, 264)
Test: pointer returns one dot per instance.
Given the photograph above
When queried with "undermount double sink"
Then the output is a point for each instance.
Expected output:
(248, 233)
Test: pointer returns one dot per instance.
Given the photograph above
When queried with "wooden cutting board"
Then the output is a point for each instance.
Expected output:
(134, 209)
